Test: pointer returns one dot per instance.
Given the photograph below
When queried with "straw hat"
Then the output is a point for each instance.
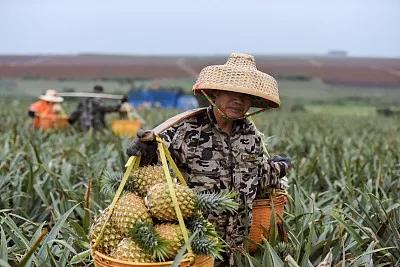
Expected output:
(240, 74)
(51, 96)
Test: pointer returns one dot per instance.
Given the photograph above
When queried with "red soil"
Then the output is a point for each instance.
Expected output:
(345, 71)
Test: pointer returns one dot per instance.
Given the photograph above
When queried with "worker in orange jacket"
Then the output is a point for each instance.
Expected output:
(47, 111)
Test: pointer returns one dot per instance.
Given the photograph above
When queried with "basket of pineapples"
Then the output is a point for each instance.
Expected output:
(152, 216)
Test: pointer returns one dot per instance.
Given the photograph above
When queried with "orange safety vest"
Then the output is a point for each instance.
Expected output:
(45, 116)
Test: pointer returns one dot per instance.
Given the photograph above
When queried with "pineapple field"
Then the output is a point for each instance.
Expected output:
(343, 203)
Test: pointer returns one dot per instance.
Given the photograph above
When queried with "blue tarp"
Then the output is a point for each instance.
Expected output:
(162, 98)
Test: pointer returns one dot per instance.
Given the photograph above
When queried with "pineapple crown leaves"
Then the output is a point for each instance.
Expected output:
(203, 245)
(109, 182)
(217, 202)
(201, 226)
(145, 236)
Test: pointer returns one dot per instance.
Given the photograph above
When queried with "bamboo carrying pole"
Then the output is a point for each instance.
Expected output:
(87, 94)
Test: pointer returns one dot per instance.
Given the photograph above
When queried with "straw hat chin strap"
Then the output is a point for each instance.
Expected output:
(223, 113)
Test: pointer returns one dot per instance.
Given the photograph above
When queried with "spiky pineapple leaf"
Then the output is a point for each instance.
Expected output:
(203, 227)
(109, 182)
(203, 245)
(144, 234)
(181, 253)
(217, 202)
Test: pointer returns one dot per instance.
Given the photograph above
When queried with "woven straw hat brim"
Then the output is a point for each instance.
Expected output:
(56, 99)
(261, 86)
(256, 102)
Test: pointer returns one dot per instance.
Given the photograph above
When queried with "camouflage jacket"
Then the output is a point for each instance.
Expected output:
(211, 160)
(90, 113)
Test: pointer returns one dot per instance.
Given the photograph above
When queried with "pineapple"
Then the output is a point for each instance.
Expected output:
(128, 250)
(161, 207)
(144, 234)
(128, 210)
(145, 177)
(160, 203)
(173, 235)
(111, 236)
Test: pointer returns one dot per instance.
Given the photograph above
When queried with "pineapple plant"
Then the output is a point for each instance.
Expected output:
(111, 236)
(145, 177)
(129, 250)
(160, 203)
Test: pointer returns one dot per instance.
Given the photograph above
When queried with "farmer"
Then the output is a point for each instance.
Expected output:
(90, 113)
(47, 110)
(220, 148)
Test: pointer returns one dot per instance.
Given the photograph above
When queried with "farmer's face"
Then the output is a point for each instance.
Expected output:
(235, 105)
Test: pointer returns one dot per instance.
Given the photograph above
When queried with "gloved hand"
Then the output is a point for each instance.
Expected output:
(282, 159)
(31, 113)
(146, 149)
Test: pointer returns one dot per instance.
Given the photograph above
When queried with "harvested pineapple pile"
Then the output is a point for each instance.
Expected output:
(144, 227)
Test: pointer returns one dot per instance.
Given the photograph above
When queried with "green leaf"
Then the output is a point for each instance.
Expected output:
(81, 257)
(33, 244)
(43, 252)
(181, 253)
(290, 262)
(3, 245)
(4, 263)
(15, 233)
(349, 229)
(276, 260)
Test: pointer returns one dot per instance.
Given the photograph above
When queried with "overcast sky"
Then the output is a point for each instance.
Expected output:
(361, 27)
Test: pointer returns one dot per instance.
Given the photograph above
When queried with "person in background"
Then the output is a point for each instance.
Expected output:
(220, 148)
(91, 111)
(47, 110)
(128, 112)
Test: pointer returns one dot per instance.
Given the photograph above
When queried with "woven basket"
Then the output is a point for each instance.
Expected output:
(126, 128)
(101, 260)
(262, 215)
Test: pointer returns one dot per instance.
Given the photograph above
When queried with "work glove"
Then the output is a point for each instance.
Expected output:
(31, 113)
(279, 165)
(282, 159)
(146, 149)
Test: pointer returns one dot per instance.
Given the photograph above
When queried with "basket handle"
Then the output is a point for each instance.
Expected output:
(163, 152)
(131, 164)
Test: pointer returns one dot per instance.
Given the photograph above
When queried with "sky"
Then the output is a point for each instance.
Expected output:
(182, 27)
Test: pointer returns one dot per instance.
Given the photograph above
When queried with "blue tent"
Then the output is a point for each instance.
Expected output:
(165, 98)
(186, 102)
